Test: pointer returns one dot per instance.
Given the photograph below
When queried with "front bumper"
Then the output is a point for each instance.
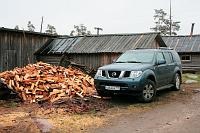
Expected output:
(127, 85)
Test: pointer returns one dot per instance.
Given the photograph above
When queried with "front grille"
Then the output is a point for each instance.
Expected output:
(114, 74)
(127, 74)
(104, 73)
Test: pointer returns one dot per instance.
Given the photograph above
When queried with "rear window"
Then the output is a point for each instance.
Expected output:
(176, 57)
(168, 57)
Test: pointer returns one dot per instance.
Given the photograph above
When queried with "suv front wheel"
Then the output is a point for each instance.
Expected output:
(148, 92)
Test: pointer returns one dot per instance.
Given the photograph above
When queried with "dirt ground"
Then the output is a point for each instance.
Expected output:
(119, 114)
(180, 114)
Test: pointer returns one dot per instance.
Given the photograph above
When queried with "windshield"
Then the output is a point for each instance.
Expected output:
(136, 57)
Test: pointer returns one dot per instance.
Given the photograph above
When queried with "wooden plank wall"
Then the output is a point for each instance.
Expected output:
(193, 65)
(53, 59)
(195, 59)
(17, 48)
(94, 61)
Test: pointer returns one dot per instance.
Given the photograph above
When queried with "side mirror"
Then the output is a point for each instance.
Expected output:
(160, 62)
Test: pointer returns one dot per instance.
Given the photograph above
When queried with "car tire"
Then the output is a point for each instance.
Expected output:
(177, 82)
(148, 92)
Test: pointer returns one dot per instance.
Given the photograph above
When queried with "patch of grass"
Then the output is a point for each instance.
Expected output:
(189, 76)
(75, 123)
(8, 104)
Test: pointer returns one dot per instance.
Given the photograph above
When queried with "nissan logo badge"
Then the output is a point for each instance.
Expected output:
(114, 74)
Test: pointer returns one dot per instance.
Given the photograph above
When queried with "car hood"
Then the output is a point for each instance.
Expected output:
(126, 66)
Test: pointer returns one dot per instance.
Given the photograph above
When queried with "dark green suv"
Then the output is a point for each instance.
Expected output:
(141, 72)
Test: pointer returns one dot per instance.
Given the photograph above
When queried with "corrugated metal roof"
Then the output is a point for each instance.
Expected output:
(183, 43)
(116, 43)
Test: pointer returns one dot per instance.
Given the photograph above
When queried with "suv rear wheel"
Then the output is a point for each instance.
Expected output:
(148, 93)
(177, 82)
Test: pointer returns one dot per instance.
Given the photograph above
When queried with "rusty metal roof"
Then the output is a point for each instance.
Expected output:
(108, 43)
(183, 43)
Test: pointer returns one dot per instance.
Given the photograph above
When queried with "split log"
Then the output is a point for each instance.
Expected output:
(45, 82)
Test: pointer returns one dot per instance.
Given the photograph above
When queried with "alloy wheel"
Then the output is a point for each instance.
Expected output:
(148, 91)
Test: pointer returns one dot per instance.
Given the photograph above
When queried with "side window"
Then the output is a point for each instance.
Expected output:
(168, 57)
(176, 57)
(171, 56)
(160, 57)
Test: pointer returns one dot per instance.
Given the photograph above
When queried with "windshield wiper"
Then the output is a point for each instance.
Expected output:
(133, 62)
(120, 62)
(128, 62)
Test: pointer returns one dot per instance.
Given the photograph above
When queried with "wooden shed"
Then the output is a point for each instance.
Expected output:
(188, 48)
(95, 51)
(17, 47)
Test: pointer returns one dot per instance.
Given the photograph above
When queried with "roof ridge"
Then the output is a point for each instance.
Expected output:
(117, 34)
(183, 35)
(26, 31)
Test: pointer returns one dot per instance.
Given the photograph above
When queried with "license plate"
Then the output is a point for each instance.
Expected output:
(112, 87)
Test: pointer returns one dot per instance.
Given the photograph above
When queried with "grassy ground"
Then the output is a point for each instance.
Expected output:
(189, 76)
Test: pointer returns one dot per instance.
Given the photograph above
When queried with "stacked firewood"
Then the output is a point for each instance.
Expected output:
(45, 82)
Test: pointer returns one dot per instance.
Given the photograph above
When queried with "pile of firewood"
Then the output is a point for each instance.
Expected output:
(44, 82)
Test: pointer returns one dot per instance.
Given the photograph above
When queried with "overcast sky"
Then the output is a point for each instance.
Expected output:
(114, 16)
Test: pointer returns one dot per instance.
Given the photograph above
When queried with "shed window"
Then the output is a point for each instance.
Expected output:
(186, 57)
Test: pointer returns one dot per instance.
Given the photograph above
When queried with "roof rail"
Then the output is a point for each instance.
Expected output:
(165, 48)
(143, 48)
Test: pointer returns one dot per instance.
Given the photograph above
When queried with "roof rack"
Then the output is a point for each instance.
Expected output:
(163, 48)
(143, 48)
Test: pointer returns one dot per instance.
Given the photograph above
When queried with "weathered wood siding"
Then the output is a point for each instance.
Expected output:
(17, 48)
(194, 64)
(53, 59)
(94, 61)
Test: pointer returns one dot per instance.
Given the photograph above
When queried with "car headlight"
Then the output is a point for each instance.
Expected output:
(99, 73)
(135, 74)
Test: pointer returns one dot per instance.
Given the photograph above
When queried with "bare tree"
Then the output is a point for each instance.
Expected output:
(16, 27)
(30, 26)
(80, 30)
(51, 29)
(163, 23)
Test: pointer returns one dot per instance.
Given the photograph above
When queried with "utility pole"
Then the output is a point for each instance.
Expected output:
(98, 29)
(170, 19)
(192, 29)
(41, 25)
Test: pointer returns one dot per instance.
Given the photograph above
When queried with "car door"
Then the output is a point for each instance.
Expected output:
(170, 66)
(161, 70)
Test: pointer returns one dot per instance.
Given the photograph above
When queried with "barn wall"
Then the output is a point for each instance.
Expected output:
(17, 48)
(53, 59)
(93, 61)
(194, 64)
